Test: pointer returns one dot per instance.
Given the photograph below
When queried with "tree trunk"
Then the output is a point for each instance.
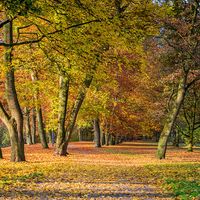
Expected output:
(27, 126)
(112, 140)
(103, 140)
(61, 134)
(171, 118)
(33, 127)
(77, 105)
(1, 155)
(176, 139)
(80, 135)
(191, 142)
(52, 137)
(107, 139)
(117, 139)
(97, 133)
(41, 131)
(14, 122)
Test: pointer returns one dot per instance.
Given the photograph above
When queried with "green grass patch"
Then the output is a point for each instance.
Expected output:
(183, 189)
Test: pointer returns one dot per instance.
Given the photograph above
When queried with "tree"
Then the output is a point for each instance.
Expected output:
(188, 122)
(13, 118)
(181, 36)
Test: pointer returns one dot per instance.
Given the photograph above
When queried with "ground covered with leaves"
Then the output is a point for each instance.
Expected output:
(127, 171)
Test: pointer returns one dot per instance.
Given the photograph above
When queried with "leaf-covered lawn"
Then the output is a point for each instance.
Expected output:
(128, 171)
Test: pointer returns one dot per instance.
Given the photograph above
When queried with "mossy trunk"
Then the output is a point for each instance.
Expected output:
(97, 133)
(171, 118)
(61, 145)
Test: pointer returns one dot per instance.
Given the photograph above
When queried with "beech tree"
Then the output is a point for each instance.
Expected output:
(181, 37)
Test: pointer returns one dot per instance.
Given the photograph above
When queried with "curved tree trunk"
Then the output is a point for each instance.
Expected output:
(77, 105)
(14, 121)
(61, 134)
(171, 118)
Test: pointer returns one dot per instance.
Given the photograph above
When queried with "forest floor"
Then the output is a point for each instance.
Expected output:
(126, 171)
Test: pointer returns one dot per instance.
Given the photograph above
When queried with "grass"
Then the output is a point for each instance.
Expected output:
(126, 171)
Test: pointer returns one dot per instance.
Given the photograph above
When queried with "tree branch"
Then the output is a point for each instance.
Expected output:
(48, 34)
(4, 115)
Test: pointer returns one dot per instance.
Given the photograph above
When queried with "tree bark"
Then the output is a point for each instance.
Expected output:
(63, 98)
(97, 133)
(171, 118)
(27, 126)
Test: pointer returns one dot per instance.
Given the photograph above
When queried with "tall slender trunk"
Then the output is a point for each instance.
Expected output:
(80, 135)
(27, 126)
(41, 131)
(15, 120)
(52, 137)
(97, 133)
(171, 118)
(176, 139)
(61, 133)
(103, 139)
(107, 139)
(117, 139)
(39, 116)
(33, 127)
